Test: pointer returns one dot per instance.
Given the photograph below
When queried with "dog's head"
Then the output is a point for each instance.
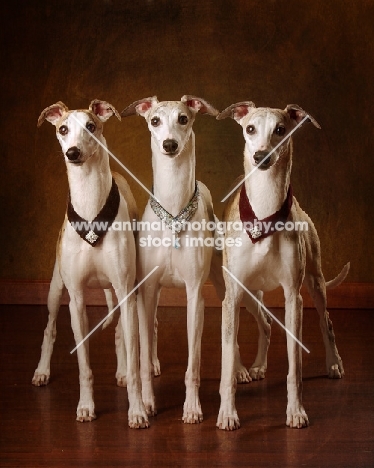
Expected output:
(78, 131)
(266, 131)
(170, 122)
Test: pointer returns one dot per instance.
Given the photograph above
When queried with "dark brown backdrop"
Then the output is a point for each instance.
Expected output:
(316, 54)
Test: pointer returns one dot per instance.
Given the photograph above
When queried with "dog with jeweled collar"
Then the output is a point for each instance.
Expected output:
(90, 254)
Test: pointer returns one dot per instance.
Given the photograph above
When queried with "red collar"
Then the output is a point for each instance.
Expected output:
(254, 226)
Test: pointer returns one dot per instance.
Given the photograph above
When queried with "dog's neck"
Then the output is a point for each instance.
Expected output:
(174, 177)
(90, 183)
(267, 189)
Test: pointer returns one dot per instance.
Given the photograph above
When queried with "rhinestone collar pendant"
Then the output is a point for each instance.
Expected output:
(247, 214)
(176, 223)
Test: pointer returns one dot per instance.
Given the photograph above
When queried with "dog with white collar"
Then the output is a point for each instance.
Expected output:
(270, 257)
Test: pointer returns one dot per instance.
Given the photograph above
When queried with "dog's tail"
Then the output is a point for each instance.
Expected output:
(340, 278)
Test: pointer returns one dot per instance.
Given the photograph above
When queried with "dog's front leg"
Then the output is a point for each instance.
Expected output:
(228, 417)
(195, 322)
(79, 324)
(296, 415)
(137, 415)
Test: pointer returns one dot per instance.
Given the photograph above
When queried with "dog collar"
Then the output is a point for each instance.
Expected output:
(176, 223)
(93, 231)
(247, 215)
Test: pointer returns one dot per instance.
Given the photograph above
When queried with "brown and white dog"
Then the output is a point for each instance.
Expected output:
(270, 256)
(95, 255)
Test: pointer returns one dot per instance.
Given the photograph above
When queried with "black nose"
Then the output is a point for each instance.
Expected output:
(262, 159)
(170, 146)
(73, 153)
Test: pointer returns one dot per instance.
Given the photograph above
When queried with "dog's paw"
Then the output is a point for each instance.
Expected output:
(138, 420)
(156, 367)
(40, 379)
(242, 375)
(192, 417)
(86, 413)
(192, 414)
(257, 372)
(336, 371)
(297, 418)
(121, 380)
(228, 421)
(150, 406)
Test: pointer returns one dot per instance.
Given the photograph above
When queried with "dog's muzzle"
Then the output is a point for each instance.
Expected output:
(170, 146)
(73, 154)
(262, 159)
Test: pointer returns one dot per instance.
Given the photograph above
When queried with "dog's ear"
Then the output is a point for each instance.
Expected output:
(103, 110)
(52, 113)
(297, 114)
(141, 107)
(197, 104)
(236, 111)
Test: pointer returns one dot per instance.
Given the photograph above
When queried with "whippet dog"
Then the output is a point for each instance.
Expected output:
(166, 239)
(91, 254)
(269, 256)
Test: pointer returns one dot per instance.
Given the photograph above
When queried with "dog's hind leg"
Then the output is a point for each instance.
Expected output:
(258, 369)
(317, 289)
(42, 372)
(121, 353)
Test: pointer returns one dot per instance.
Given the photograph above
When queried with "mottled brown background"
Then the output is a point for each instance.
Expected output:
(315, 53)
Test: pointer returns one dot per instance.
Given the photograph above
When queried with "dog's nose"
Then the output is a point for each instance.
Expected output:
(262, 159)
(73, 153)
(170, 146)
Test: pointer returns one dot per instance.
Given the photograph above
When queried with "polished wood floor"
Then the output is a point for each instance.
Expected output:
(38, 427)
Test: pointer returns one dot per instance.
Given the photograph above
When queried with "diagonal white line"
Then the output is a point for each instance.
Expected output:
(115, 158)
(266, 309)
(113, 310)
(267, 157)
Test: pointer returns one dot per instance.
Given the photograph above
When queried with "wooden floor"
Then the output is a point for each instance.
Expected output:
(38, 427)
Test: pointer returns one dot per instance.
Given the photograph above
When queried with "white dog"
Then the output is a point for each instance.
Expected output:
(93, 255)
(182, 254)
(269, 257)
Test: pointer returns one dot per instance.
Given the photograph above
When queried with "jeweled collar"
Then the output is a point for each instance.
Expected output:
(176, 223)
(93, 231)
(247, 215)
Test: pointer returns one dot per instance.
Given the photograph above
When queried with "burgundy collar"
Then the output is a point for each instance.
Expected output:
(256, 230)
(93, 231)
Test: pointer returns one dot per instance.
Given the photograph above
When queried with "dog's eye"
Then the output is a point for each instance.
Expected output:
(280, 130)
(183, 119)
(63, 130)
(91, 127)
(155, 121)
(250, 129)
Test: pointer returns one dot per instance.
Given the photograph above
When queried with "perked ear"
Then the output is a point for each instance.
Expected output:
(52, 113)
(197, 104)
(141, 107)
(236, 111)
(103, 110)
(297, 114)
